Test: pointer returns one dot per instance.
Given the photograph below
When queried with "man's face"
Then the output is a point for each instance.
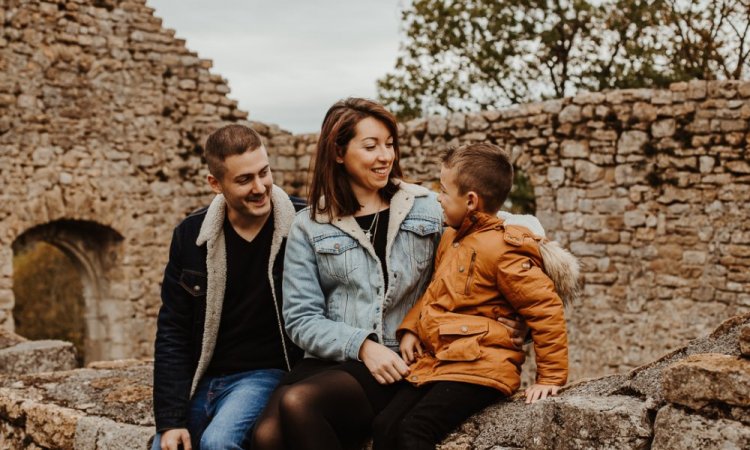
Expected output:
(455, 205)
(246, 185)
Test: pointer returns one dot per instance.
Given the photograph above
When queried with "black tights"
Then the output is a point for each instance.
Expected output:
(328, 410)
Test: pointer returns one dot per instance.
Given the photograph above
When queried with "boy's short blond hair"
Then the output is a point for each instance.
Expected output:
(483, 168)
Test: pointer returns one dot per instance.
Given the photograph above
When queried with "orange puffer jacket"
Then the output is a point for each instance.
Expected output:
(483, 271)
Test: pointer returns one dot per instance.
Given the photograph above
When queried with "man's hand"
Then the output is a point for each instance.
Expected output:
(540, 392)
(517, 330)
(171, 439)
(384, 364)
(410, 347)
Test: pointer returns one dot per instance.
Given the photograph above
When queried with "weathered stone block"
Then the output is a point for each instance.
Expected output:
(745, 341)
(574, 149)
(476, 122)
(570, 114)
(587, 171)
(631, 142)
(742, 167)
(572, 422)
(677, 429)
(37, 356)
(663, 128)
(708, 378)
(437, 126)
(556, 175)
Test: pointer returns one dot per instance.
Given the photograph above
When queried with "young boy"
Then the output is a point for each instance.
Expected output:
(462, 359)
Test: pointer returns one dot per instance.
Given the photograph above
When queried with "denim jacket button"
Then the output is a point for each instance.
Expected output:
(464, 329)
(461, 269)
(196, 288)
(337, 246)
(374, 326)
(455, 244)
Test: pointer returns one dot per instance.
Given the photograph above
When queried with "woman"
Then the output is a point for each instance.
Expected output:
(356, 261)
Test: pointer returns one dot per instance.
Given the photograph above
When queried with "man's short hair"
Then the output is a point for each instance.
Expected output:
(227, 141)
(483, 168)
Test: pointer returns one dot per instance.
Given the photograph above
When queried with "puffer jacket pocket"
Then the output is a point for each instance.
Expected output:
(194, 282)
(460, 341)
(336, 255)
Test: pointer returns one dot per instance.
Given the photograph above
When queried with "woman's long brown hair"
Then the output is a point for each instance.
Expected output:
(329, 179)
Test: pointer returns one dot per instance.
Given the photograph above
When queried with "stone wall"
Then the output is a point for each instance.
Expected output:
(102, 118)
(650, 188)
(104, 113)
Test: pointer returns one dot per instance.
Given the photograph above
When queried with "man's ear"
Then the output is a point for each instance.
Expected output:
(473, 201)
(214, 183)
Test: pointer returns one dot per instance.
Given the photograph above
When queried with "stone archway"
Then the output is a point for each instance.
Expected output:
(93, 250)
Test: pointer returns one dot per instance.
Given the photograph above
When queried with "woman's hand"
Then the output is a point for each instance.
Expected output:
(409, 345)
(516, 329)
(383, 363)
(540, 392)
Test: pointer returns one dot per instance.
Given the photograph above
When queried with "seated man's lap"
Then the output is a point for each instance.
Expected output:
(224, 409)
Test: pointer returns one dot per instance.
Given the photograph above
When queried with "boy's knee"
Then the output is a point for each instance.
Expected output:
(413, 429)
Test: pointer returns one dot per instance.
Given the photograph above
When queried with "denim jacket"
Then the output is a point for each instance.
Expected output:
(333, 284)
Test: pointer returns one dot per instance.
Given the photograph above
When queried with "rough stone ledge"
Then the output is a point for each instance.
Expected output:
(108, 406)
(21, 356)
(677, 429)
(619, 411)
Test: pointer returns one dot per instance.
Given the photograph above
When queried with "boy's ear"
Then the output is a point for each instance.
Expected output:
(214, 183)
(473, 201)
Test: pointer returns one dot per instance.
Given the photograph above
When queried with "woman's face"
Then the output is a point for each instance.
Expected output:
(369, 156)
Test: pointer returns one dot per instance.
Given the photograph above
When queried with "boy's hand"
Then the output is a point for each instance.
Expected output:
(540, 392)
(518, 329)
(410, 347)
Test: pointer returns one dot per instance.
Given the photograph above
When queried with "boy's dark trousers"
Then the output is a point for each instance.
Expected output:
(419, 417)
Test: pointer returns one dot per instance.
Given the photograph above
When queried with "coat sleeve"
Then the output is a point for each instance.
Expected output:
(173, 358)
(524, 284)
(304, 304)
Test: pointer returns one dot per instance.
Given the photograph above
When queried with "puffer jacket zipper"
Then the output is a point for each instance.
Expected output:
(470, 276)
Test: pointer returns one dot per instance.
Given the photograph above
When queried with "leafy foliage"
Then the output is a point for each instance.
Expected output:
(480, 54)
(49, 296)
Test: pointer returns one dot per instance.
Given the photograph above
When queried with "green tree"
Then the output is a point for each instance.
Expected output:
(480, 54)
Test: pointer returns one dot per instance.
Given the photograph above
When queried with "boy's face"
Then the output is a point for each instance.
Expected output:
(455, 206)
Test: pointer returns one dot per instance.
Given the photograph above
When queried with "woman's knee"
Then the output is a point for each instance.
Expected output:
(297, 402)
(267, 434)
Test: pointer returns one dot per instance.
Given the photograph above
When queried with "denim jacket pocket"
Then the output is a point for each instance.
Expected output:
(421, 237)
(194, 282)
(336, 255)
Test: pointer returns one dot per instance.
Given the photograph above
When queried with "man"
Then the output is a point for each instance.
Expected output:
(220, 345)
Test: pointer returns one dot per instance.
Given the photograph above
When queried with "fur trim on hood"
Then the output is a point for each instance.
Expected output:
(559, 264)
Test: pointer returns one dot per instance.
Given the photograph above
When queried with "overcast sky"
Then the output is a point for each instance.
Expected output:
(287, 61)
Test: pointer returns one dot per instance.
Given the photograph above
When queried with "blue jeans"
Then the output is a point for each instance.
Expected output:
(224, 409)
